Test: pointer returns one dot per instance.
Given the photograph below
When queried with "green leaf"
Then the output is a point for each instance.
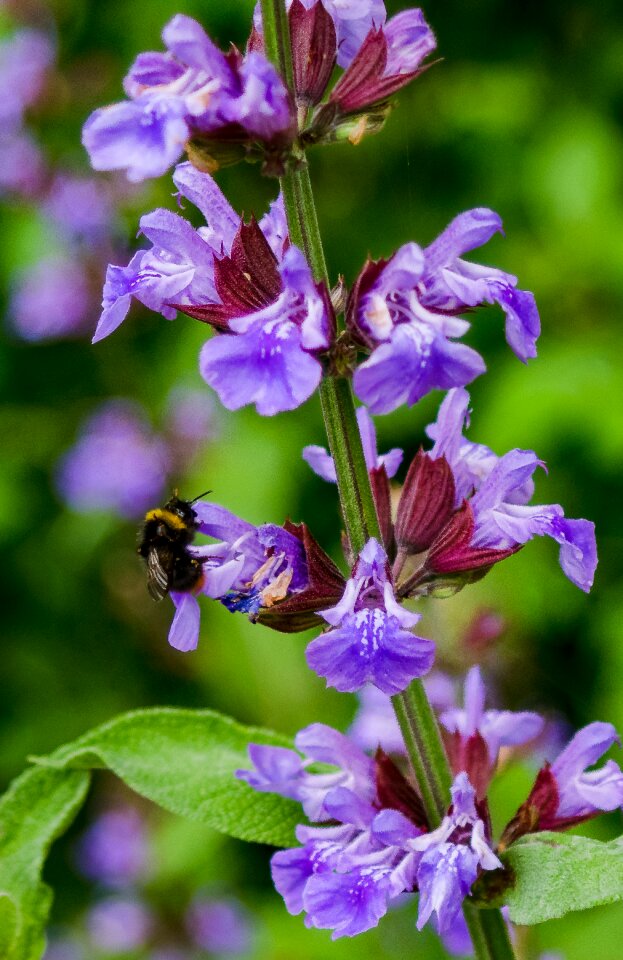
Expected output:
(185, 761)
(36, 809)
(555, 874)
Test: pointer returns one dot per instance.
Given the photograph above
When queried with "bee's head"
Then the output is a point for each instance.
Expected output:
(181, 508)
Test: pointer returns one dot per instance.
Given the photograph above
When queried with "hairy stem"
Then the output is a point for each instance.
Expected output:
(489, 934)
(413, 710)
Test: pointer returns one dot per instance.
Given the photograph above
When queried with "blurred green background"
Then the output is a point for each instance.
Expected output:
(523, 115)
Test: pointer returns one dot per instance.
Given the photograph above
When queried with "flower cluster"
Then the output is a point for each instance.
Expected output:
(246, 280)
(371, 841)
(277, 334)
(405, 312)
(192, 89)
(223, 107)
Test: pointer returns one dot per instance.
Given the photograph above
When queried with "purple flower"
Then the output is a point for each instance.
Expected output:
(565, 792)
(452, 857)
(194, 88)
(321, 461)
(495, 728)
(248, 569)
(25, 59)
(583, 792)
(389, 57)
(119, 924)
(51, 300)
(375, 723)
(503, 519)
(376, 847)
(114, 850)
(270, 362)
(370, 640)
(244, 280)
(220, 926)
(279, 770)
(405, 312)
(117, 463)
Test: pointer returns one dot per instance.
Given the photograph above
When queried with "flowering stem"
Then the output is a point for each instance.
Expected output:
(420, 731)
(413, 710)
(489, 933)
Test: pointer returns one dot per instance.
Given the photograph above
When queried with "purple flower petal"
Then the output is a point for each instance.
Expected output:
(184, 632)
(347, 904)
(266, 367)
(414, 361)
(143, 138)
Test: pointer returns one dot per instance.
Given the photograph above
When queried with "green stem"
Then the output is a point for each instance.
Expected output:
(420, 730)
(413, 710)
(489, 933)
(277, 39)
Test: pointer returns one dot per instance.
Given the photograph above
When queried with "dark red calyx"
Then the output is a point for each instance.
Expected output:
(426, 503)
(538, 812)
(314, 48)
(364, 83)
(470, 754)
(451, 552)
(382, 499)
(394, 792)
(363, 284)
(246, 281)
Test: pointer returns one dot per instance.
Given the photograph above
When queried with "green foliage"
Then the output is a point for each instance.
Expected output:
(556, 874)
(185, 761)
(39, 806)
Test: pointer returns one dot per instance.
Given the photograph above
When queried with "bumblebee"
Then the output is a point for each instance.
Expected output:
(164, 539)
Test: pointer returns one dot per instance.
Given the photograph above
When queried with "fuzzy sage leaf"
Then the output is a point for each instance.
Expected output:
(185, 761)
(38, 807)
(555, 874)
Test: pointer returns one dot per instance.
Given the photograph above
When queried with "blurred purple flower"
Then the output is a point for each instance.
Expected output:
(81, 207)
(193, 88)
(220, 926)
(25, 58)
(22, 167)
(321, 461)
(114, 850)
(117, 463)
(370, 640)
(51, 300)
(119, 924)
(405, 311)
(191, 423)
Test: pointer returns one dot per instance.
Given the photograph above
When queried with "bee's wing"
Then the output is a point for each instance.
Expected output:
(157, 577)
